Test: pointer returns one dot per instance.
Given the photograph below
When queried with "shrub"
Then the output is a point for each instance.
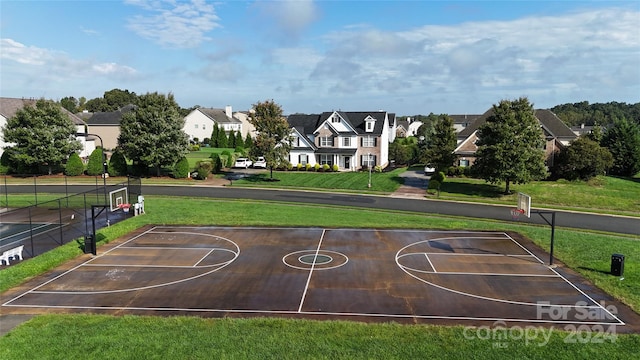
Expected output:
(307, 167)
(316, 167)
(194, 147)
(117, 164)
(204, 168)
(228, 160)
(95, 167)
(377, 168)
(438, 176)
(216, 162)
(299, 167)
(335, 167)
(289, 166)
(74, 165)
(181, 169)
(433, 187)
(326, 167)
(5, 161)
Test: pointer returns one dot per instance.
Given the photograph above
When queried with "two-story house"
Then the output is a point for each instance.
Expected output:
(351, 140)
(557, 135)
(10, 106)
(199, 123)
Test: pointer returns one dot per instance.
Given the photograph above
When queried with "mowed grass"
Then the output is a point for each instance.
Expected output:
(384, 183)
(603, 194)
(141, 337)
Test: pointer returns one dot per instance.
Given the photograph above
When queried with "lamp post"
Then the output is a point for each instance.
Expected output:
(369, 163)
(104, 163)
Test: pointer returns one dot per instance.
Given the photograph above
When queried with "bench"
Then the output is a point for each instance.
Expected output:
(11, 253)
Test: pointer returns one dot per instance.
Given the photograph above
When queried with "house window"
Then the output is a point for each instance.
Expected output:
(303, 159)
(326, 159)
(368, 160)
(335, 119)
(346, 142)
(369, 126)
(196, 125)
(204, 126)
(326, 141)
(369, 142)
(464, 162)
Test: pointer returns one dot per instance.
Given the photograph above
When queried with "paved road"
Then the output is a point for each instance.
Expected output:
(616, 224)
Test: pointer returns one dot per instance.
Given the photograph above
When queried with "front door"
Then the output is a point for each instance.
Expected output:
(347, 162)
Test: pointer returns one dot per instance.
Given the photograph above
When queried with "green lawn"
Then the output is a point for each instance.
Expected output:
(131, 337)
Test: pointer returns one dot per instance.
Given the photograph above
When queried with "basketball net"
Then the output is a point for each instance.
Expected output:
(515, 214)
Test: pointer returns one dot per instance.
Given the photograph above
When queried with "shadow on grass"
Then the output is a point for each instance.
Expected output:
(477, 190)
(594, 270)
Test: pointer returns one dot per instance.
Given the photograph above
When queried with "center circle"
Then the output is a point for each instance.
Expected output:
(313, 259)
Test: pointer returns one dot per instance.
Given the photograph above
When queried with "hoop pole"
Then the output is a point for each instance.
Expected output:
(553, 229)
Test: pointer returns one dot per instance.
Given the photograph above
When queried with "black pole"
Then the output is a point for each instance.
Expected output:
(60, 216)
(6, 192)
(35, 188)
(33, 253)
(93, 230)
(553, 230)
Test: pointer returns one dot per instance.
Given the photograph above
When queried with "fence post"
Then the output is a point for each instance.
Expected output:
(60, 217)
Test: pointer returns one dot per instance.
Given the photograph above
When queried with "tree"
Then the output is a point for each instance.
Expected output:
(510, 145)
(151, 134)
(117, 164)
(43, 135)
(239, 141)
(441, 145)
(95, 165)
(583, 159)
(623, 141)
(74, 166)
(273, 139)
(248, 142)
(232, 139)
(70, 103)
(222, 139)
(214, 136)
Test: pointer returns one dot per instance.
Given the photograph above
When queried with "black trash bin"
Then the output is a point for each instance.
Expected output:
(617, 264)
(89, 244)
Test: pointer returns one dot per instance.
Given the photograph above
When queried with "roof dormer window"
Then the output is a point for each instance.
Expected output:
(335, 118)
(370, 124)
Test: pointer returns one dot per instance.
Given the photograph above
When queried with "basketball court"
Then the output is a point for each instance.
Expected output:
(407, 276)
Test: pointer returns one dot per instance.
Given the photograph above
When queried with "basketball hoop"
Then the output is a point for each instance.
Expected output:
(515, 214)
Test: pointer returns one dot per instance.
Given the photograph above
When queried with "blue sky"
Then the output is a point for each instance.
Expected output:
(407, 57)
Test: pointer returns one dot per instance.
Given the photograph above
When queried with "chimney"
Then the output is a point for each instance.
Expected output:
(227, 110)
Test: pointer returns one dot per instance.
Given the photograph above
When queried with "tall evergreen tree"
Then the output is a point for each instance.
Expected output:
(440, 146)
(222, 139)
(239, 141)
(151, 134)
(74, 166)
(43, 135)
(214, 136)
(510, 145)
(623, 141)
(232, 139)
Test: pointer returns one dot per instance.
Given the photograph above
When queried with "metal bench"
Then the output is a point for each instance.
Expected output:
(11, 254)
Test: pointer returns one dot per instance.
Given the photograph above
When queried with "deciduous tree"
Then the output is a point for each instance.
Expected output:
(510, 145)
(43, 135)
(273, 139)
(583, 159)
(151, 134)
(440, 146)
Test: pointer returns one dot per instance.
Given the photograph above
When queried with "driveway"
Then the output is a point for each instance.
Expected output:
(415, 184)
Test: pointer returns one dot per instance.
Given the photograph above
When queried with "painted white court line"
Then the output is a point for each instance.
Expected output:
(306, 286)
(430, 263)
(27, 234)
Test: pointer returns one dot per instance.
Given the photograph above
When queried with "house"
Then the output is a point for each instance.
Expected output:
(10, 106)
(402, 130)
(106, 125)
(557, 136)
(198, 124)
(351, 140)
(247, 126)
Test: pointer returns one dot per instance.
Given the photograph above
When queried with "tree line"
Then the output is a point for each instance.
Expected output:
(511, 148)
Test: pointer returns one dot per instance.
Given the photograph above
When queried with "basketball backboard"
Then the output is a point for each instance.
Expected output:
(117, 198)
(524, 204)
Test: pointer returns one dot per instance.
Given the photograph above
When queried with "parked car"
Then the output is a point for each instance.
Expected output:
(429, 169)
(260, 163)
(242, 163)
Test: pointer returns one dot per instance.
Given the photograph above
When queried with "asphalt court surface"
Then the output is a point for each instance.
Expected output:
(407, 276)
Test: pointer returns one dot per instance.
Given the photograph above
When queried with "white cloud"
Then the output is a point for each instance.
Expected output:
(584, 50)
(175, 24)
(286, 19)
(29, 55)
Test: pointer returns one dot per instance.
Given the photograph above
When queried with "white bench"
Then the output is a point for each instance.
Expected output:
(12, 253)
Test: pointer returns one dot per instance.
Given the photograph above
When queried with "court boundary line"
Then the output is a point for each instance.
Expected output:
(306, 287)
(372, 315)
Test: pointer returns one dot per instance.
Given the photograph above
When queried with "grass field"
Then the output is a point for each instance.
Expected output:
(131, 337)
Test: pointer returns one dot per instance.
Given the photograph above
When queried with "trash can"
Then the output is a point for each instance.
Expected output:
(89, 244)
(617, 264)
